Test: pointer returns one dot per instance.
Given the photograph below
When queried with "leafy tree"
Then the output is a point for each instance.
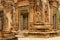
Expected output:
(59, 16)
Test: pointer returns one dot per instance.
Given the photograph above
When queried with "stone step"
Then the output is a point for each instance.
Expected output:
(42, 34)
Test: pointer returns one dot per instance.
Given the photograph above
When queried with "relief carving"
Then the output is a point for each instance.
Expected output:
(46, 12)
(7, 4)
(38, 15)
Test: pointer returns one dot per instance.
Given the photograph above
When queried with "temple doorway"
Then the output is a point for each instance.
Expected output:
(1, 20)
(54, 21)
(24, 21)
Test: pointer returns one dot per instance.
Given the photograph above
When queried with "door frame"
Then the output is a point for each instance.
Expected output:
(25, 7)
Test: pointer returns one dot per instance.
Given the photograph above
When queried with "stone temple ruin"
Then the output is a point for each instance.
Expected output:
(28, 18)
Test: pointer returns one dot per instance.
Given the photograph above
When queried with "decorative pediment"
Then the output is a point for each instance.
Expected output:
(7, 4)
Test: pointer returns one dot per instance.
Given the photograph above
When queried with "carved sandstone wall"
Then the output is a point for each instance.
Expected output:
(31, 15)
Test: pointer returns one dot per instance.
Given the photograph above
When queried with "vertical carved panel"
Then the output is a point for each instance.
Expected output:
(7, 17)
(46, 12)
(38, 13)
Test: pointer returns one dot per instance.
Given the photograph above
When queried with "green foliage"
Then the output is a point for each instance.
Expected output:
(59, 16)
